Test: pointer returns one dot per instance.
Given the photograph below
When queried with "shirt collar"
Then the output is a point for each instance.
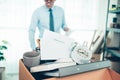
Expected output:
(48, 8)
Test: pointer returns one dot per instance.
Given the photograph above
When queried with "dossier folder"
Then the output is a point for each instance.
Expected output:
(76, 69)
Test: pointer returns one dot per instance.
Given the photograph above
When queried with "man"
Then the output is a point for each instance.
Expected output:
(41, 19)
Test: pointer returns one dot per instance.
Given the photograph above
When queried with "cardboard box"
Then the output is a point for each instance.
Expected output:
(102, 74)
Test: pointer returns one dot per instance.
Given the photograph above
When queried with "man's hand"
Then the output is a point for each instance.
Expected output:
(38, 43)
(66, 29)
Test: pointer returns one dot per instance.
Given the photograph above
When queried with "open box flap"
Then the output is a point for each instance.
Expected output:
(114, 75)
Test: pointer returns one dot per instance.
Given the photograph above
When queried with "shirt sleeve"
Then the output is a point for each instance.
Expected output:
(32, 29)
(63, 21)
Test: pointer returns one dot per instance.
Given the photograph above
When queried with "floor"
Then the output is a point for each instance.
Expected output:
(11, 72)
(5, 75)
(11, 77)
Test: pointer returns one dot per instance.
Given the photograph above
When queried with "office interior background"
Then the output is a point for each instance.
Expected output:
(82, 16)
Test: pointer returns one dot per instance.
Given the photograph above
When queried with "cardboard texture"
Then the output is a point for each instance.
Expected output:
(102, 74)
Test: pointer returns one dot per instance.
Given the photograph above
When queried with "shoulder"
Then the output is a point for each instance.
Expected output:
(58, 8)
(40, 9)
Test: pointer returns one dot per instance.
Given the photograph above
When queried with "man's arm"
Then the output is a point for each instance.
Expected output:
(32, 29)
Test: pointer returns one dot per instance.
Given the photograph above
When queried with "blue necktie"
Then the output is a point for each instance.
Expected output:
(51, 23)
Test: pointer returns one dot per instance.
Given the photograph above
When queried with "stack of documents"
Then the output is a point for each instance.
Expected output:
(53, 65)
(55, 46)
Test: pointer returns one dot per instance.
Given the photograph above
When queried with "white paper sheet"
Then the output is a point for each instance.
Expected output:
(55, 45)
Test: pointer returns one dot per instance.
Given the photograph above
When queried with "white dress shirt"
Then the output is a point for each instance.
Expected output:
(40, 19)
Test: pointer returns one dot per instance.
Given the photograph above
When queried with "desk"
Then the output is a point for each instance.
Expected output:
(102, 74)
